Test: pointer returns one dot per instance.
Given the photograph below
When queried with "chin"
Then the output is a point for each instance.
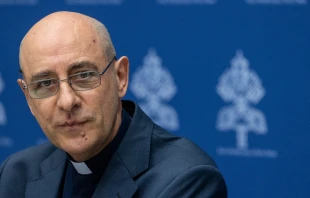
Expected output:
(77, 149)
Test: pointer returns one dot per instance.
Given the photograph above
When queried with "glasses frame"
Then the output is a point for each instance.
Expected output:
(25, 86)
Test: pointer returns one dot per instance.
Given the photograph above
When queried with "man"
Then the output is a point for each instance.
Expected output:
(99, 145)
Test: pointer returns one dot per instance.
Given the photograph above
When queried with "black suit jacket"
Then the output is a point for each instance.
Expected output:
(149, 162)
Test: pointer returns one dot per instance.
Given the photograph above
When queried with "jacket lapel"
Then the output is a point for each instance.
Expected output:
(116, 181)
(130, 159)
(52, 169)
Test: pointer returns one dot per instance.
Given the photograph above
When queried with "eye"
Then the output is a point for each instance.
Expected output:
(44, 83)
(84, 75)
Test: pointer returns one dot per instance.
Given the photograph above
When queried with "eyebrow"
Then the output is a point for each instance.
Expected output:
(41, 75)
(82, 64)
(74, 66)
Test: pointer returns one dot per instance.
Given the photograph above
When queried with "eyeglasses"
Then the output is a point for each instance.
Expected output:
(80, 82)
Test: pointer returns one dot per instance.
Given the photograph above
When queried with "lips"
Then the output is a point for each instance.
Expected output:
(69, 125)
(72, 123)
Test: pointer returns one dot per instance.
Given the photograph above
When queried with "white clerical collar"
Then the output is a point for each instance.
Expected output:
(81, 168)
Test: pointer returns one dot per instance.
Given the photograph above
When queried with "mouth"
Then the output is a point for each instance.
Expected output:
(73, 124)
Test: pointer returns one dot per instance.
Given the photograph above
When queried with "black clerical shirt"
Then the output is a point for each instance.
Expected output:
(81, 179)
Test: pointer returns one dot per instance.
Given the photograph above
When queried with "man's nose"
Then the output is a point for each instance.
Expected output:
(67, 97)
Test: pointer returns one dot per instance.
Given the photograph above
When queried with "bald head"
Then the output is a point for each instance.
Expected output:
(60, 29)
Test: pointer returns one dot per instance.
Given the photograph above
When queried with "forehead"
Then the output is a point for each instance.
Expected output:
(59, 48)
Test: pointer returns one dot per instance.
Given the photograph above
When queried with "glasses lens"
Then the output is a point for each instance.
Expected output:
(43, 88)
(85, 80)
(49, 87)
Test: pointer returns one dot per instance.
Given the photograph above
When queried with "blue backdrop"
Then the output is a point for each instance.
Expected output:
(233, 76)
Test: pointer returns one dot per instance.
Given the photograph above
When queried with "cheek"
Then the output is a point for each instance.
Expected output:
(43, 114)
(105, 105)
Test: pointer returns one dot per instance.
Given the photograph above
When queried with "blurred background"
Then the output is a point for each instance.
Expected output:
(233, 76)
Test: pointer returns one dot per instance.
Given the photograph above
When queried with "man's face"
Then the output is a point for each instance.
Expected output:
(79, 122)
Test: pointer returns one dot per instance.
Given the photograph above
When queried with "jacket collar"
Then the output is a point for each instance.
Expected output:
(138, 139)
(130, 159)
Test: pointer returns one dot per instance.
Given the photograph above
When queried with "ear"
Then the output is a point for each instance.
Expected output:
(23, 86)
(122, 73)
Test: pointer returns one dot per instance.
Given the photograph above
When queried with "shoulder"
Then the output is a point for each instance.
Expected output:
(27, 161)
(167, 146)
(33, 154)
(179, 168)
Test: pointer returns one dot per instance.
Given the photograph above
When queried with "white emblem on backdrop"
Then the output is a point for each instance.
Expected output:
(4, 141)
(276, 2)
(94, 2)
(186, 2)
(19, 2)
(154, 84)
(2, 110)
(242, 87)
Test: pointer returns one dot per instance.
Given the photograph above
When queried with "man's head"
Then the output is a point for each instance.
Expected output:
(60, 45)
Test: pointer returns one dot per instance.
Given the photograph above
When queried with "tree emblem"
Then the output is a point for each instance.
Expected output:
(2, 110)
(155, 85)
(242, 87)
